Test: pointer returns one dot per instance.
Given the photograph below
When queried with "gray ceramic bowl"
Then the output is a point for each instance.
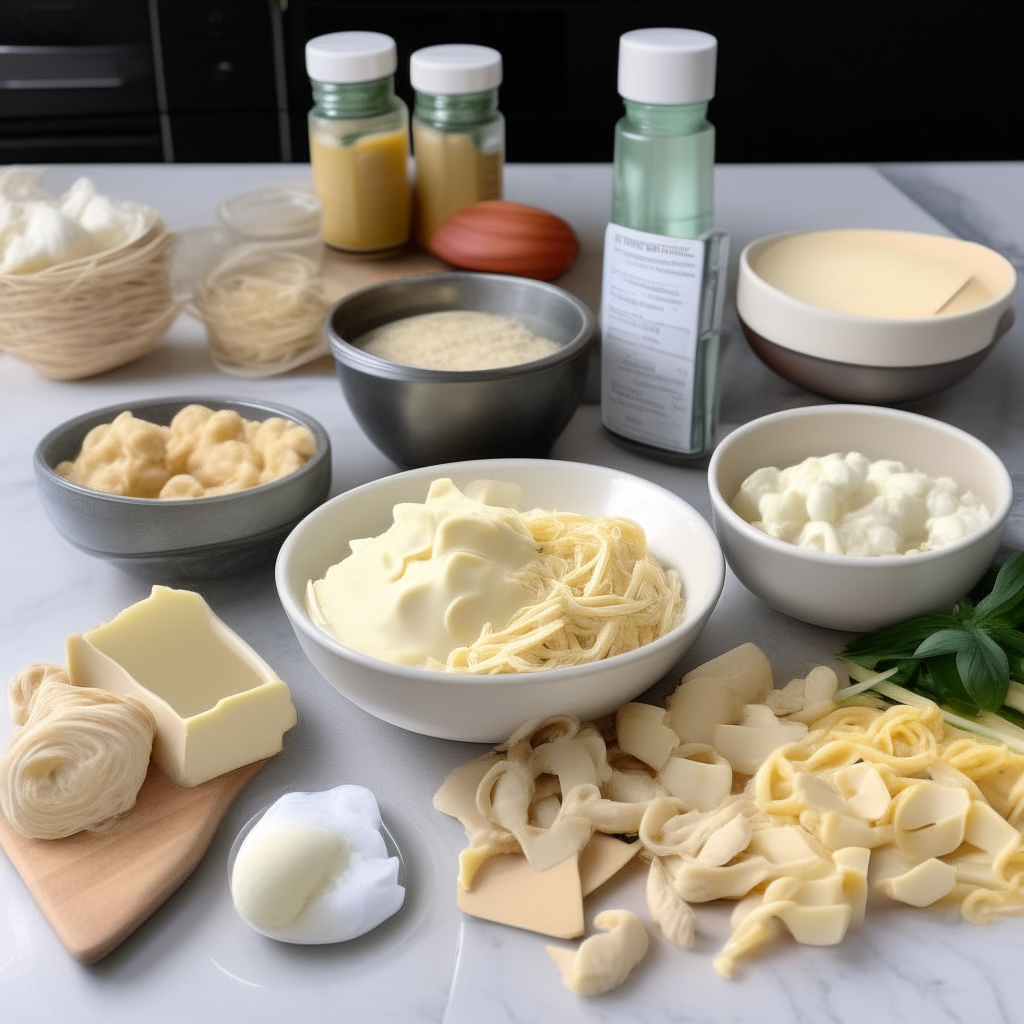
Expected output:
(419, 417)
(177, 540)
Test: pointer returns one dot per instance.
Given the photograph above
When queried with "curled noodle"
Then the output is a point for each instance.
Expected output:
(78, 761)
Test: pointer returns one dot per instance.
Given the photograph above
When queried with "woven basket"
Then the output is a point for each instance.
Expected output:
(85, 316)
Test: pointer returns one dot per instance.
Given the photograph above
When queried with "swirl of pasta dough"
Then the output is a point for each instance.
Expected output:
(27, 683)
(78, 761)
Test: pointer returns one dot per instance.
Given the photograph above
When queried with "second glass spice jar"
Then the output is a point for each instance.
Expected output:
(457, 131)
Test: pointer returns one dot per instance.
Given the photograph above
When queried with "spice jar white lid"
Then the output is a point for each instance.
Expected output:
(667, 65)
(349, 57)
(455, 69)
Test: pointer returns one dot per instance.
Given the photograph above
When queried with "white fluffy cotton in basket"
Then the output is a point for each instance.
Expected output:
(39, 230)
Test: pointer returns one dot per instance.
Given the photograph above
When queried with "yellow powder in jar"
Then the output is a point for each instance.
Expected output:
(451, 174)
(457, 340)
(364, 189)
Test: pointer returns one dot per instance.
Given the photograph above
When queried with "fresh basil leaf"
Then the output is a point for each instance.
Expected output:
(945, 641)
(1006, 600)
(1007, 637)
(899, 641)
(1016, 667)
(1010, 614)
(940, 679)
(985, 670)
(906, 671)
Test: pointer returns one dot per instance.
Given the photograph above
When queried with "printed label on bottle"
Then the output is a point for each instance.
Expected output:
(650, 318)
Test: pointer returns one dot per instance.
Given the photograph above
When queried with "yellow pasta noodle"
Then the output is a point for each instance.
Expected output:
(936, 812)
(599, 593)
(79, 758)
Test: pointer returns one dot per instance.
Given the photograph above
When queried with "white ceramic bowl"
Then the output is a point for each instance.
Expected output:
(489, 708)
(845, 591)
(873, 358)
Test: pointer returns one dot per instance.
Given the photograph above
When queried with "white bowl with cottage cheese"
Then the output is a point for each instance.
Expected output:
(923, 536)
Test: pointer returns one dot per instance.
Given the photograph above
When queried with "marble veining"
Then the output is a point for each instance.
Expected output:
(195, 960)
(936, 188)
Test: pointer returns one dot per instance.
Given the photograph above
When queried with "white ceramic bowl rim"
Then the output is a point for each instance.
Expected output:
(256, 405)
(724, 508)
(298, 614)
(860, 318)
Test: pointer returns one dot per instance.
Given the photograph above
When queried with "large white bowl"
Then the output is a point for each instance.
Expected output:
(846, 591)
(489, 708)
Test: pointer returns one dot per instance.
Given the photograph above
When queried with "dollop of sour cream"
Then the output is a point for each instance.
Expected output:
(434, 579)
(315, 868)
(845, 504)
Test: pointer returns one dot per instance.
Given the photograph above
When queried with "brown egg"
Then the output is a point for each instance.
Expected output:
(507, 238)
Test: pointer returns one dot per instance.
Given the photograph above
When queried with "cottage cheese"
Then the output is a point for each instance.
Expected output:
(844, 504)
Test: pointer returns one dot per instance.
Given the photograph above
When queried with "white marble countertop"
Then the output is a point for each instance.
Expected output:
(194, 959)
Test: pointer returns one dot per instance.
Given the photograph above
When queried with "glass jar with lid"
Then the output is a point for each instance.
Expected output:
(458, 133)
(359, 141)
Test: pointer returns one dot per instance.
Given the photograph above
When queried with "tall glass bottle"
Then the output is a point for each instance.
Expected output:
(458, 134)
(662, 299)
(359, 141)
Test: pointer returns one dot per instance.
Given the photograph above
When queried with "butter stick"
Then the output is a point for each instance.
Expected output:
(218, 705)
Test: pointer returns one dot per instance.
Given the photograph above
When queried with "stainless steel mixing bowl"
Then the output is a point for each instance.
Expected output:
(420, 417)
(168, 541)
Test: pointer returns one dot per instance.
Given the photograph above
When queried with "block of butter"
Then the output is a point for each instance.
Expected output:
(218, 705)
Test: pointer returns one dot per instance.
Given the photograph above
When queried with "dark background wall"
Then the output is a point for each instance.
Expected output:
(823, 80)
(798, 80)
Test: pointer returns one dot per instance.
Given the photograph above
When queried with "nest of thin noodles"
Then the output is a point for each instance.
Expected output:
(599, 592)
(264, 311)
(78, 759)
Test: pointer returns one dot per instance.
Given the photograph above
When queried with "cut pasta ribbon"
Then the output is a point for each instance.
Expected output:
(936, 813)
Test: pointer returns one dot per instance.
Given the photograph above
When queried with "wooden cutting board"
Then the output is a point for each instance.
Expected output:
(96, 888)
(346, 272)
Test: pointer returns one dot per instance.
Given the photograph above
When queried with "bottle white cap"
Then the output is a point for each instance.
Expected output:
(345, 57)
(667, 65)
(455, 69)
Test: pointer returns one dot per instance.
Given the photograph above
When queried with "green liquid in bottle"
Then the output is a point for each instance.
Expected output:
(664, 169)
(664, 184)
